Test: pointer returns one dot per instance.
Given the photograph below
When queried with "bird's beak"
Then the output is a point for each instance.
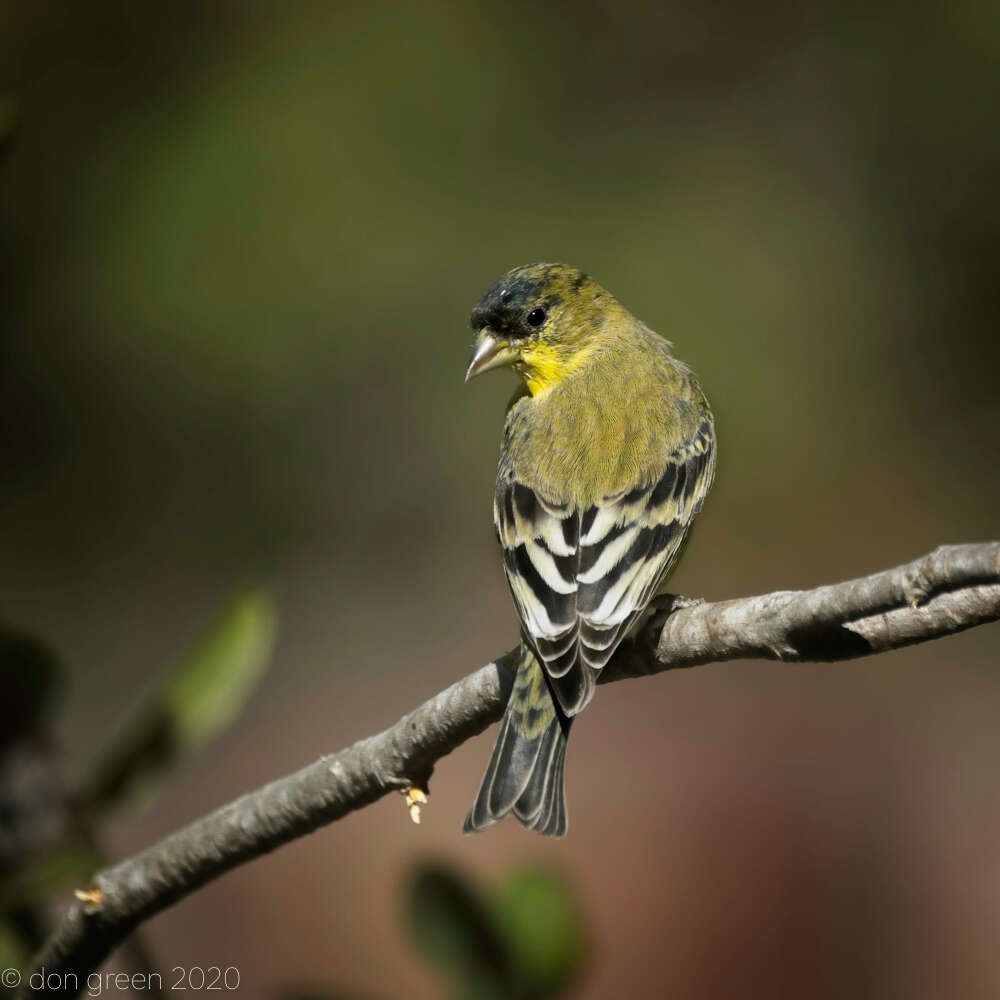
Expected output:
(488, 352)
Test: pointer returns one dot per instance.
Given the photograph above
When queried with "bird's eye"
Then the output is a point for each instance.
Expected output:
(536, 317)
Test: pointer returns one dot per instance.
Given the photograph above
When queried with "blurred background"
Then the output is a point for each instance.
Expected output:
(238, 248)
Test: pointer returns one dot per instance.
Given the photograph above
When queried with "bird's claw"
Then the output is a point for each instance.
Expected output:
(669, 603)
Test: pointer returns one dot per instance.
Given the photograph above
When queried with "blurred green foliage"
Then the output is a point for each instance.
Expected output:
(195, 702)
(49, 874)
(539, 920)
(204, 696)
(454, 929)
(522, 938)
(50, 833)
(13, 952)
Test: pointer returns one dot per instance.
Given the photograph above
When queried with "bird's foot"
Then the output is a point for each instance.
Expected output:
(667, 604)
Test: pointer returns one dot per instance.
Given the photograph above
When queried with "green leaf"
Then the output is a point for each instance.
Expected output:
(206, 695)
(193, 705)
(543, 928)
(453, 928)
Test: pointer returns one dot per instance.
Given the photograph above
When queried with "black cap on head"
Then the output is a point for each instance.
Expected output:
(519, 304)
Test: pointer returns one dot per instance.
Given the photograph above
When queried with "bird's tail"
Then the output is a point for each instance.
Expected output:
(525, 773)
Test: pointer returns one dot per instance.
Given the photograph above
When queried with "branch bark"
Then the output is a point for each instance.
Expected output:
(951, 589)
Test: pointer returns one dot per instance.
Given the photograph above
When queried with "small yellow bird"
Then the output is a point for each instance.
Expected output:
(608, 453)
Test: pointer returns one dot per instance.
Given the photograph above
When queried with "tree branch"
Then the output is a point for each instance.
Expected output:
(949, 590)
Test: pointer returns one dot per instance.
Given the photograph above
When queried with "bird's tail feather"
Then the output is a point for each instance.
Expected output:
(525, 773)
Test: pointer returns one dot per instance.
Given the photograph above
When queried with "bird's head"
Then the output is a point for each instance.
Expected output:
(542, 320)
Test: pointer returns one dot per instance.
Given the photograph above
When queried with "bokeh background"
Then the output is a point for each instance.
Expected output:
(238, 247)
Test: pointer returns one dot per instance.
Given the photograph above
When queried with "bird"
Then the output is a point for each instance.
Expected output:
(607, 455)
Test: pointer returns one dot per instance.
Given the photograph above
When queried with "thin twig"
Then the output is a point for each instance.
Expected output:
(951, 589)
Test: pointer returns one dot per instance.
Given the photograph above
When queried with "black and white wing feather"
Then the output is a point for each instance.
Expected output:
(582, 578)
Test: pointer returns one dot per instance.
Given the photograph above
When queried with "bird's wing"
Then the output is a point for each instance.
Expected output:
(581, 579)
